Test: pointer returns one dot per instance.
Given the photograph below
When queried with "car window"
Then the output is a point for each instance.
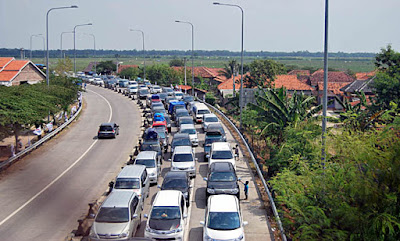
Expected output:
(222, 177)
(171, 183)
(221, 155)
(189, 131)
(106, 128)
(183, 157)
(223, 220)
(203, 112)
(211, 119)
(182, 142)
(165, 213)
(112, 215)
(150, 163)
(134, 205)
(127, 183)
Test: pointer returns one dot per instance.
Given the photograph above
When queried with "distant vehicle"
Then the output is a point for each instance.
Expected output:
(198, 111)
(222, 179)
(213, 127)
(156, 89)
(184, 120)
(152, 162)
(108, 130)
(183, 159)
(122, 83)
(180, 139)
(168, 90)
(191, 130)
(210, 138)
(221, 152)
(163, 96)
(143, 93)
(180, 113)
(178, 95)
(187, 99)
(178, 180)
(208, 119)
(223, 219)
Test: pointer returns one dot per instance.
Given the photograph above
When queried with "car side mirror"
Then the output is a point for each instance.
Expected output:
(202, 223)
(205, 178)
(146, 216)
(245, 223)
(134, 216)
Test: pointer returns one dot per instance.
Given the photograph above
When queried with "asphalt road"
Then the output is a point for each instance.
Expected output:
(44, 194)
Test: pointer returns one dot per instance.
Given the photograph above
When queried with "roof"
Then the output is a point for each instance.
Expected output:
(221, 146)
(359, 85)
(132, 171)
(228, 84)
(222, 166)
(338, 76)
(176, 175)
(5, 61)
(187, 126)
(146, 155)
(183, 149)
(167, 198)
(223, 203)
(299, 72)
(365, 75)
(122, 67)
(291, 82)
(118, 199)
(10, 68)
(181, 135)
(333, 87)
(184, 87)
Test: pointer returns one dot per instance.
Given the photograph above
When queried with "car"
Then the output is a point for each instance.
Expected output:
(183, 159)
(118, 217)
(152, 145)
(180, 139)
(152, 162)
(221, 152)
(208, 119)
(178, 95)
(168, 90)
(213, 127)
(169, 100)
(123, 83)
(154, 104)
(163, 136)
(223, 219)
(179, 113)
(169, 123)
(178, 180)
(152, 98)
(131, 90)
(163, 96)
(210, 138)
(222, 179)
(187, 99)
(184, 120)
(167, 216)
(173, 106)
(143, 93)
(156, 89)
(158, 109)
(107, 130)
(191, 130)
(198, 111)
(191, 105)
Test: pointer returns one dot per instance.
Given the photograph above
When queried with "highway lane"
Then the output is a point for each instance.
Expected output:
(43, 194)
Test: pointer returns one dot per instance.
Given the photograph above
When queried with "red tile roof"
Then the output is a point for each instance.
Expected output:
(16, 65)
(8, 75)
(204, 72)
(184, 87)
(228, 84)
(333, 87)
(299, 72)
(10, 68)
(339, 76)
(122, 67)
(365, 75)
(4, 61)
(290, 82)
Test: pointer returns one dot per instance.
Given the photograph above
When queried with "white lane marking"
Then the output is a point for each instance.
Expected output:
(190, 211)
(109, 105)
(61, 175)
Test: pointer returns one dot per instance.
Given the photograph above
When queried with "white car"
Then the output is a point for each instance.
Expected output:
(155, 89)
(178, 95)
(152, 163)
(167, 217)
(191, 130)
(208, 119)
(221, 152)
(223, 219)
(183, 160)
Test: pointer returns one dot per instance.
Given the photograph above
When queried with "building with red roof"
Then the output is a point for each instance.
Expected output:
(16, 72)
(122, 67)
(333, 76)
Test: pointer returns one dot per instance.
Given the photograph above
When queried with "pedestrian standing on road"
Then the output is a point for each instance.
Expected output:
(85, 85)
(237, 152)
(246, 189)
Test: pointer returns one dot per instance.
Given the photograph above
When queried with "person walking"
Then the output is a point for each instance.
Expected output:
(237, 152)
(246, 189)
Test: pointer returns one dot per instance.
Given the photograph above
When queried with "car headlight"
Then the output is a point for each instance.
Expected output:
(178, 230)
(235, 191)
(210, 190)
(239, 238)
(148, 229)
(174, 168)
(92, 233)
(152, 174)
(207, 238)
(124, 234)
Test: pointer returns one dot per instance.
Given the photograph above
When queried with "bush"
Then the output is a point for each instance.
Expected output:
(210, 98)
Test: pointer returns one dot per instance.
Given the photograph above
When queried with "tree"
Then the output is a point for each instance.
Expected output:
(63, 66)
(162, 74)
(263, 72)
(210, 98)
(176, 62)
(131, 73)
(106, 67)
(388, 61)
(387, 88)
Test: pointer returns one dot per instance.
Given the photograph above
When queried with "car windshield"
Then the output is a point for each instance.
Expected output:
(211, 119)
(189, 131)
(223, 220)
(144, 91)
(163, 95)
(177, 107)
(186, 121)
(106, 128)
(146, 162)
(161, 132)
(209, 141)
(150, 147)
(165, 213)
(174, 183)
(113, 215)
(222, 155)
(181, 142)
(178, 94)
(188, 98)
(183, 158)
(127, 183)
(133, 87)
(203, 112)
(222, 177)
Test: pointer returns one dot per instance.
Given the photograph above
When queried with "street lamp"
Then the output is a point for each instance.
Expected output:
(33, 35)
(177, 21)
(325, 96)
(241, 59)
(61, 48)
(94, 51)
(79, 25)
(144, 56)
(47, 38)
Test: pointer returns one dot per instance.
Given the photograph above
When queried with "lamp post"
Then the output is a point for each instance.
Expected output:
(94, 51)
(241, 59)
(79, 25)
(144, 56)
(33, 35)
(325, 98)
(177, 21)
(61, 48)
(47, 38)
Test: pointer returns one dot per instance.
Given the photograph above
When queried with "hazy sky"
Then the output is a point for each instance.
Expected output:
(280, 25)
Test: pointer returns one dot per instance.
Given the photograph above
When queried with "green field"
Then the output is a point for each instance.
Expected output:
(353, 64)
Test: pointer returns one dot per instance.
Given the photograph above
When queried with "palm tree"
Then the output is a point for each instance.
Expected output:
(230, 70)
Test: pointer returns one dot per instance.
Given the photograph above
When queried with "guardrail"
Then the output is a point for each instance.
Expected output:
(259, 173)
(41, 141)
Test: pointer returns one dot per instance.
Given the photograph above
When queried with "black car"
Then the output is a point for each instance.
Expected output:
(152, 145)
(187, 99)
(180, 113)
(178, 180)
(212, 127)
(222, 179)
(210, 138)
(185, 120)
(164, 138)
(143, 93)
(180, 139)
(163, 96)
(107, 130)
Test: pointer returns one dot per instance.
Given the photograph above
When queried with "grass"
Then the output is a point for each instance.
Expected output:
(353, 64)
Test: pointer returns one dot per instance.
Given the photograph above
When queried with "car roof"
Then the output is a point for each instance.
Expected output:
(215, 125)
(222, 167)
(221, 146)
(188, 126)
(146, 155)
(181, 135)
(183, 149)
(176, 175)
(223, 203)
(167, 198)
(185, 117)
(209, 115)
(118, 199)
(181, 110)
(107, 124)
(134, 171)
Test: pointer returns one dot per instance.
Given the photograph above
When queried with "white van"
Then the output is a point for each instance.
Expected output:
(167, 217)
(118, 218)
(152, 163)
(198, 111)
(221, 152)
(133, 178)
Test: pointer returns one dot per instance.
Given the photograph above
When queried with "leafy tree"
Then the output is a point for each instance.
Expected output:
(131, 73)
(163, 74)
(210, 98)
(63, 66)
(263, 72)
(388, 61)
(176, 62)
(387, 88)
(106, 67)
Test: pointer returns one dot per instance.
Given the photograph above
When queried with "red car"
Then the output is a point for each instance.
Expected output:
(160, 124)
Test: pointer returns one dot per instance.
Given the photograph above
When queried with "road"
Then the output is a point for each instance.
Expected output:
(44, 194)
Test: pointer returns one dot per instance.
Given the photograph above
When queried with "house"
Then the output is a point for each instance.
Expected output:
(302, 75)
(122, 67)
(291, 83)
(334, 91)
(366, 86)
(333, 76)
(210, 75)
(226, 88)
(17, 72)
(365, 75)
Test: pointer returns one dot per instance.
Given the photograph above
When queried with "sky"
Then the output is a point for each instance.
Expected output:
(280, 25)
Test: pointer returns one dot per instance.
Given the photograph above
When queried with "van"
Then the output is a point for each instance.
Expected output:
(183, 159)
(221, 152)
(167, 217)
(198, 111)
(118, 218)
(133, 178)
(152, 162)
